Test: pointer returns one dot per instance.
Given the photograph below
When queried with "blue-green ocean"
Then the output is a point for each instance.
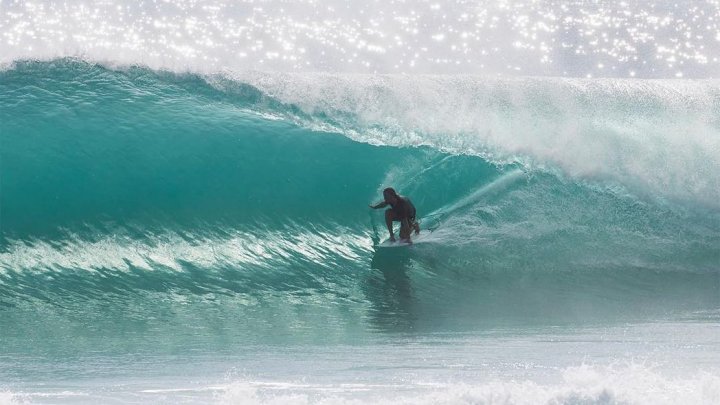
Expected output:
(179, 237)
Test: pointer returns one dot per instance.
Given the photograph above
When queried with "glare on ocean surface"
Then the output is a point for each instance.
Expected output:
(577, 38)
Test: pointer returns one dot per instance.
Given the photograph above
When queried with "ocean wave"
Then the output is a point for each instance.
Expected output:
(569, 173)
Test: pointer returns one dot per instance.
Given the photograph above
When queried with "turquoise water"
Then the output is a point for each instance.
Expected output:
(176, 237)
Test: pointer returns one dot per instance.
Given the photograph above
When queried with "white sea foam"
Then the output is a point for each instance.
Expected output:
(586, 385)
(10, 398)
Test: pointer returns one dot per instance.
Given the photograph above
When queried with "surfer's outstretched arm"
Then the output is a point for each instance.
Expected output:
(381, 204)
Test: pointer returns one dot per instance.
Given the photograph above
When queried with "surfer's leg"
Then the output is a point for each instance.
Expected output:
(405, 229)
(389, 217)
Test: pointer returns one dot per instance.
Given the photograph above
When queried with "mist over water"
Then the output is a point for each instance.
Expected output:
(184, 191)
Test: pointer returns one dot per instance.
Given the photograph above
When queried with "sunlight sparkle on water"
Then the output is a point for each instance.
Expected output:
(613, 39)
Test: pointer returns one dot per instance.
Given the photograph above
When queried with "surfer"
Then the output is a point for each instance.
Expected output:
(401, 210)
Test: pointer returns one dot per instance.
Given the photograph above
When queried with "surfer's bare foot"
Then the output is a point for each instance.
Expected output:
(392, 238)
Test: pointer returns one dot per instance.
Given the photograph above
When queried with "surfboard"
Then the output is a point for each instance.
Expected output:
(422, 237)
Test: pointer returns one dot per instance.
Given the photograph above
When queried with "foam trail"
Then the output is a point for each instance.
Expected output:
(436, 217)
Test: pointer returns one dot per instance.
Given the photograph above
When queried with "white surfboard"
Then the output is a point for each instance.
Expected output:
(421, 238)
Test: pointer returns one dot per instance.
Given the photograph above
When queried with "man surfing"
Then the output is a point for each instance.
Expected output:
(401, 210)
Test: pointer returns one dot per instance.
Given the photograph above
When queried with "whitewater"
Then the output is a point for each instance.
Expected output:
(184, 193)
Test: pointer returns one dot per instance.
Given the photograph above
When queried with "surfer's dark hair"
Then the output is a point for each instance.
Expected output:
(390, 191)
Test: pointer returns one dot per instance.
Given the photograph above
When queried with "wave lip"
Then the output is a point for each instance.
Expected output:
(661, 136)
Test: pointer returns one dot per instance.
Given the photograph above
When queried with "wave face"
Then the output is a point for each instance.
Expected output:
(138, 194)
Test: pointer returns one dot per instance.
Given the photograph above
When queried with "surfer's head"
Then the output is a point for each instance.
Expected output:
(390, 195)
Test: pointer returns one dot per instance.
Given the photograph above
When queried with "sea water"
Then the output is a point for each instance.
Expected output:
(184, 191)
